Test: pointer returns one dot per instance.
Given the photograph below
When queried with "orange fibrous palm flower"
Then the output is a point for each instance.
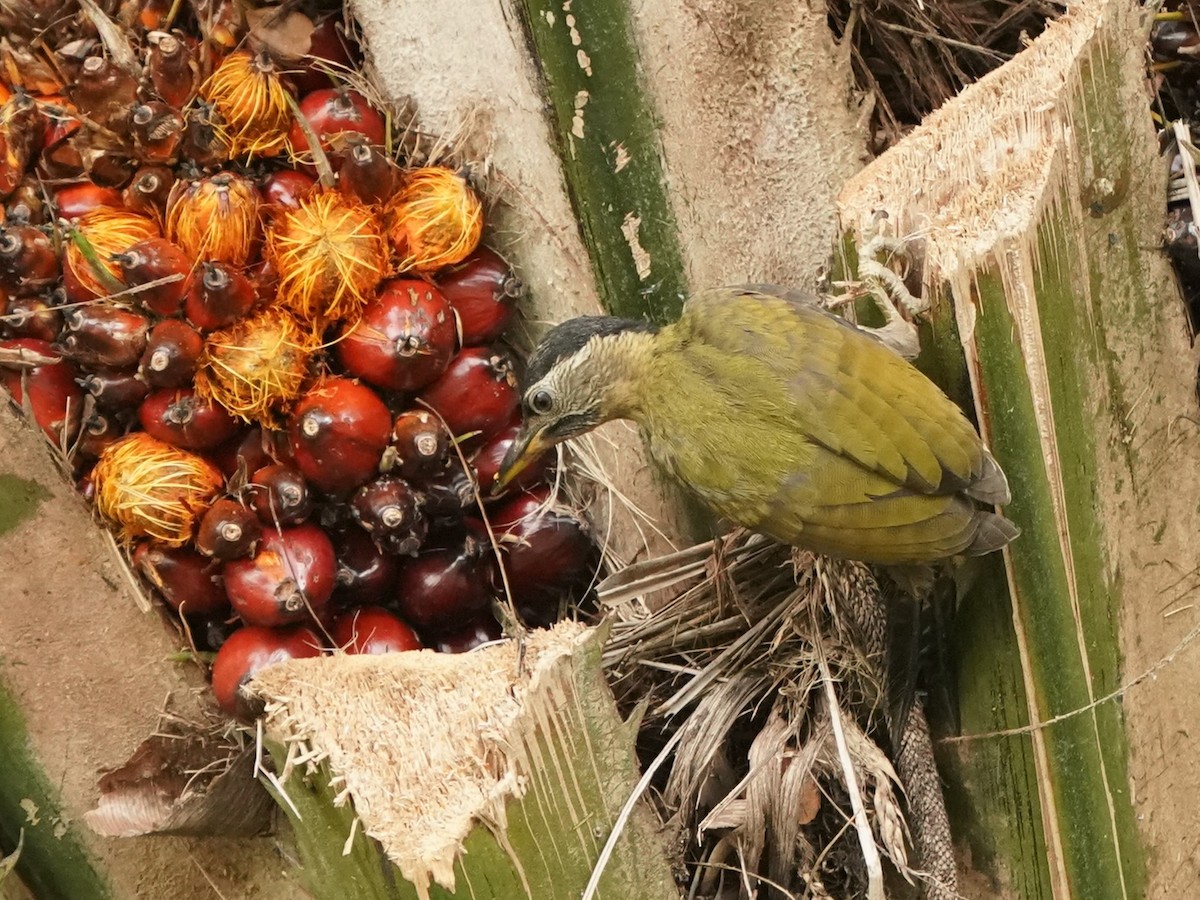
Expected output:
(251, 105)
(435, 220)
(216, 218)
(330, 254)
(257, 367)
(147, 488)
(107, 231)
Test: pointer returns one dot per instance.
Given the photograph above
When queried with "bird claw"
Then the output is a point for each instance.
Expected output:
(890, 294)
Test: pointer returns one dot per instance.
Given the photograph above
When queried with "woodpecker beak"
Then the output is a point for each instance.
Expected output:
(528, 446)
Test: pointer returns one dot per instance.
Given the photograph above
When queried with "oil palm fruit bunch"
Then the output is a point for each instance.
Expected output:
(268, 346)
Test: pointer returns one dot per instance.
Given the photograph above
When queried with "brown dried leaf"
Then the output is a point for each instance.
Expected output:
(287, 35)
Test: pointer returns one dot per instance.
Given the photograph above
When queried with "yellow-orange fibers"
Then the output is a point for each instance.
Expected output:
(435, 220)
(215, 218)
(257, 367)
(329, 254)
(109, 231)
(147, 488)
(251, 103)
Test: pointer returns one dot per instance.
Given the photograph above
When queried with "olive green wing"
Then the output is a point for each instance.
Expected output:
(847, 391)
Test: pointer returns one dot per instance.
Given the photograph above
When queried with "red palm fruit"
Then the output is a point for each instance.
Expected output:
(487, 459)
(157, 132)
(404, 338)
(172, 353)
(152, 260)
(280, 495)
(525, 505)
(180, 418)
(482, 629)
(104, 335)
(546, 550)
(105, 93)
(246, 652)
(201, 146)
(476, 393)
(20, 138)
(373, 629)
(32, 317)
(388, 509)
(484, 292)
(220, 296)
(28, 258)
(154, 15)
(228, 531)
(190, 583)
(115, 391)
(54, 395)
(103, 233)
(367, 173)
(251, 105)
(285, 188)
(444, 588)
(173, 70)
(420, 447)
(27, 204)
(434, 220)
(339, 430)
(98, 434)
(447, 496)
(149, 189)
(365, 573)
(245, 452)
(79, 199)
(328, 48)
(292, 573)
(215, 218)
(334, 113)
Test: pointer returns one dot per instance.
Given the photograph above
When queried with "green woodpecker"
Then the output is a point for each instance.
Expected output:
(781, 417)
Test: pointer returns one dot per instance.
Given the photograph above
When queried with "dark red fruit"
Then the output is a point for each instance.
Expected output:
(487, 459)
(28, 258)
(102, 335)
(524, 506)
(292, 573)
(280, 495)
(74, 200)
(219, 296)
(32, 317)
(228, 531)
(404, 339)
(484, 292)
(448, 495)
(339, 430)
(442, 589)
(157, 132)
(365, 573)
(248, 451)
(153, 260)
(105, 93)
(333, 112)
(178, 416)
(420, 447)
(54, 394)
(115, 391)
(482, 629)
(172, 352)
(249, 650)
(547, 552)
(388, 510)
(185, 579)
(327, 49)
(97, 435)
(283, 189)
(367, 173)
(172, 68)
(149, 189)
(477, 393)
(373, 630)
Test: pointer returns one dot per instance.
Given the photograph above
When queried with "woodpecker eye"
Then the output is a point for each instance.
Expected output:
(541, 402)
